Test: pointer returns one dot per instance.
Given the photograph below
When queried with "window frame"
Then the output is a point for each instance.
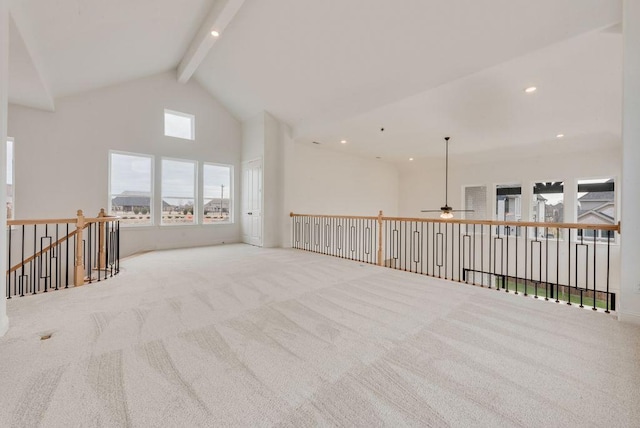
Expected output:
(192, 120)
(230, 218)
(565, 182)
(599, 239)
(151, 191)
(196, 202)
(464, 201)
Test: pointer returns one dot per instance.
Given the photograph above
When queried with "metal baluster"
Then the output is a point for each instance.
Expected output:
(568, 288)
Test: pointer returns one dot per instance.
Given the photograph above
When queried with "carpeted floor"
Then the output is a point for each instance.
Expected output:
(240, 336)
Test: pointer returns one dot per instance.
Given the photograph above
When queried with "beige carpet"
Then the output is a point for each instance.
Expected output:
(240, 336)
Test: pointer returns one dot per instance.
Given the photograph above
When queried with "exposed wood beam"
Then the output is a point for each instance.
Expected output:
(219, 17)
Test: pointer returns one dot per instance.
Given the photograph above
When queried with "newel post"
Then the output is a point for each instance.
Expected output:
(78, 278)
(380, 261)
(101, 241)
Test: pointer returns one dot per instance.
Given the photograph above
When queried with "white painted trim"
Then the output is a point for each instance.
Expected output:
(192, 120)
(220, 15)
(231, 193)
(196, 202)
(151, 201)
(4, 326)
(629, 318)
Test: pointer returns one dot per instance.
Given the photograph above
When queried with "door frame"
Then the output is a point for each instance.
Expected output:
(246, 238)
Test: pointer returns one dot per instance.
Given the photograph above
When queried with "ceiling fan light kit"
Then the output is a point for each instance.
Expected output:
(446, 212)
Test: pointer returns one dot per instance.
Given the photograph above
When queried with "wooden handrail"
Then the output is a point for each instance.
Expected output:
(41, 221)
(349, 217)
(60, 221)
(87, 221)
(610, 227)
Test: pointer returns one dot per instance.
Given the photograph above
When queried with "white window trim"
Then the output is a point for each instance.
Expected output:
(152, 191)
(192, 119)
(231, 194)
(196, 202)
(463, 199)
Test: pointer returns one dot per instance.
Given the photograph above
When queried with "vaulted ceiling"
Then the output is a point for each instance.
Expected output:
(343, 69)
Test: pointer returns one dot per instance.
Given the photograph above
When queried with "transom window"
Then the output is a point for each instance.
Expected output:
(179, 125)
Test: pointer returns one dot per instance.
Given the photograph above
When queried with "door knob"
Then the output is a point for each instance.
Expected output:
(250, 213)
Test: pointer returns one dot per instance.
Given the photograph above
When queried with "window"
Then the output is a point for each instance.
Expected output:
(508, 207)
(130, 188)
(179, 125)
(178, 191)
(596, 205)
(548, 202)
(475, 198)
(508, 202)
(10, 180)
(217, 193)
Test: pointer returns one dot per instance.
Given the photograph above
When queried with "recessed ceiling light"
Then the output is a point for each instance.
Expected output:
(214, 33)
(343, 141)
(410, 159)
(559, 135)
(531, 89)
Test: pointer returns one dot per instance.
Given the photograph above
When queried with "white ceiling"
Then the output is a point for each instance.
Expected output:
(337, 69)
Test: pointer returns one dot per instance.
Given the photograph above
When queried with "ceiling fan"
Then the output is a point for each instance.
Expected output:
(446, 211)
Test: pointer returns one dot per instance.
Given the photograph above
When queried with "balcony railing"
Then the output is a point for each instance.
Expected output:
(50, 254)
(566, 262)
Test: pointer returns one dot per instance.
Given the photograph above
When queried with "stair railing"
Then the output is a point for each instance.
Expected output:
(569, 262)
(49, 254)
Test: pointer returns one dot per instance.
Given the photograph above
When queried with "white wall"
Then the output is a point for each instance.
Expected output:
(274, 186)
(62, 156)
(4, 93)
(329, 182)
(253, 138)
(422, 181)
(630, 302)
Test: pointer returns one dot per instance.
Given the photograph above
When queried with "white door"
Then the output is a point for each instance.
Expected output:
(252, 202)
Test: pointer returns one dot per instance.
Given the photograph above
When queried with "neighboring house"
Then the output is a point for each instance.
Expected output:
(214, 206)
(597, 208)
(554, 213)
(127, 202)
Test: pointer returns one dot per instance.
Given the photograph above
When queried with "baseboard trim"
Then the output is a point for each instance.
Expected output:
(4, 325)
(629, 318)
